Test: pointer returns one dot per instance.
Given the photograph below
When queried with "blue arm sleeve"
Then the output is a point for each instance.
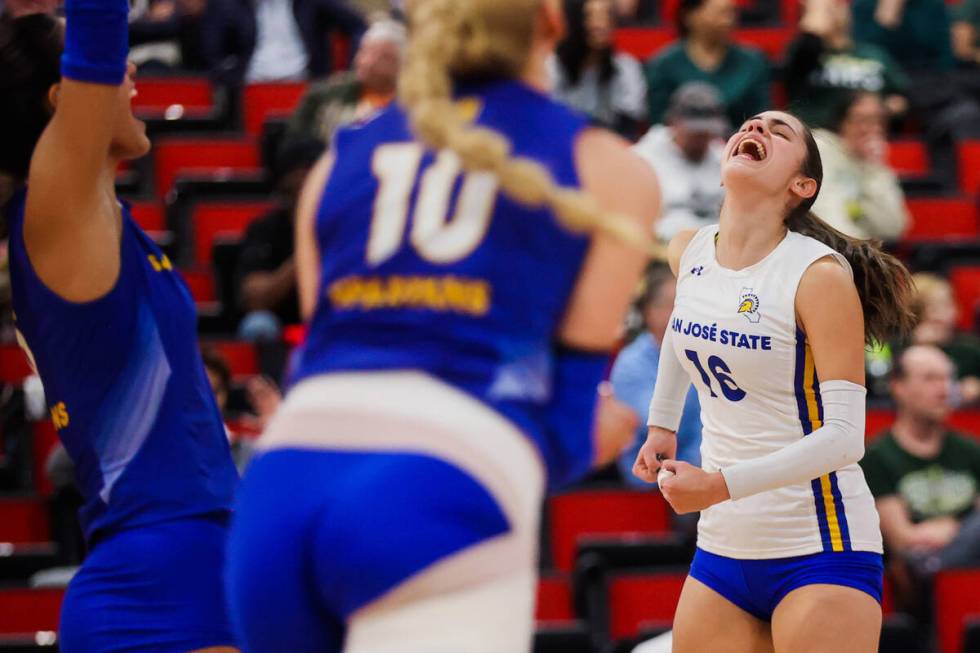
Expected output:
(96, 41)
(571, 413)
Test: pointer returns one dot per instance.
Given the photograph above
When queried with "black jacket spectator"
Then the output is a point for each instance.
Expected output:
(229, 33)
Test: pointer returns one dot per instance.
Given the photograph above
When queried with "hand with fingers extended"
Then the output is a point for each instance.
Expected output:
(690, 488)
(661, 444)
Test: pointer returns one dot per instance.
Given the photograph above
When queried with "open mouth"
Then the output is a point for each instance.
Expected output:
(752, 149)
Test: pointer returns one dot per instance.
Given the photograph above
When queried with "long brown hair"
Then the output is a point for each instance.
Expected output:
(883, 283)
(453, 39)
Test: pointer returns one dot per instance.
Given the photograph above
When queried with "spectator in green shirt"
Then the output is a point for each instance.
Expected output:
(926, 478)
(824, 65)
(966, 33)
(916, 33)
(936, 315)
(706, 53)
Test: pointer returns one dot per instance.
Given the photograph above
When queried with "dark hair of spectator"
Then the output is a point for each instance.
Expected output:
(574, 50)
(883, 283)
(30, 53)
(684, 9)
(842, 108)
(217, 364)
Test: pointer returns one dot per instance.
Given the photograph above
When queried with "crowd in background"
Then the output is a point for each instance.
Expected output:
(859, 73)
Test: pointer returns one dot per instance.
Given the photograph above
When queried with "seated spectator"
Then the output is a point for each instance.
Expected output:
(824, 65)
(352, 95)
(936, 312)
(274, 40)
(219, 376)
(266, 271)
(966, 33)
(634, 375)
(925, 477)
(168, 36)
(860, 195)
(590, 75)
(686, 154)
(916, 33)
(706, 53)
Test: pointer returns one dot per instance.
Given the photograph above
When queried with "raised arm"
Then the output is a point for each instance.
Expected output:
(72, 226)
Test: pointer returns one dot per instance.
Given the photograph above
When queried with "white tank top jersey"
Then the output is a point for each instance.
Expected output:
(736, 334)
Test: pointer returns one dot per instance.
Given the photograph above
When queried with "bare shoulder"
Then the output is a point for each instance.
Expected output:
(826, 277)
(621, 180)
(678, 244)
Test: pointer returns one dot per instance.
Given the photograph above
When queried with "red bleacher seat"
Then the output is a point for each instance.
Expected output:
(602, 512)
(966, 421)
(771, 40)
(554, 599)
(644, 42)
(211, 220)
(908, 158)
(14, 367)
(636, 599)
(155, 95)
(45, 439)
(240, 356)
(969, 160)
(957, 595)
(23, 520)
(148, 214)
(941, 218)
(173, 156)
(966, 286)
(29, 610)
(263, 101)
(201, 284)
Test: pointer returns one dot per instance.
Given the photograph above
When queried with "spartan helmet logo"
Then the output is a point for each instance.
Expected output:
(748, 305)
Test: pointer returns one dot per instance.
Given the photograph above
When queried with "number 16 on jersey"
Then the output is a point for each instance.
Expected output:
(722, 373)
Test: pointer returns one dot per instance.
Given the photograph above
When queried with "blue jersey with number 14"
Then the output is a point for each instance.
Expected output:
(427, 268)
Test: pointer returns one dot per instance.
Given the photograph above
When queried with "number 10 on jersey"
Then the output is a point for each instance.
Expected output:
(721, 372)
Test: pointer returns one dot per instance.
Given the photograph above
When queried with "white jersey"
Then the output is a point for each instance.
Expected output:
(736, 334)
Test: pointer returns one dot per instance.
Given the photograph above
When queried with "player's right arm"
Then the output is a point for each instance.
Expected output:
(307, 253)
(71, 229)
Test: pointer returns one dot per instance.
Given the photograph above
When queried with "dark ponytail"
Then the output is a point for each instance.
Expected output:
(883, 283)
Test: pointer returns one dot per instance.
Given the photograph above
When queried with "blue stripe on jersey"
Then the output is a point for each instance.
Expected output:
(122, 430)
(829, 505)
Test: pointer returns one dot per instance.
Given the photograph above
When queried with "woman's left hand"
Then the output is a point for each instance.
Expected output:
(691, 489)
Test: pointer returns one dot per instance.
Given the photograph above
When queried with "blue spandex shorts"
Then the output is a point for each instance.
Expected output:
(319, 534)
(153, 589)
(757, 586)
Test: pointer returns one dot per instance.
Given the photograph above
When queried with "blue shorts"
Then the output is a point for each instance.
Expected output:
(318, 534)
(154, 589)
(758, 586)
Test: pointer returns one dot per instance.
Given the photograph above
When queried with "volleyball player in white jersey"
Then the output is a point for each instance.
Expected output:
(772, 312)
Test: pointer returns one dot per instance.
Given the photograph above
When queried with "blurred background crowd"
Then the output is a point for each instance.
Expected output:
(242, 96)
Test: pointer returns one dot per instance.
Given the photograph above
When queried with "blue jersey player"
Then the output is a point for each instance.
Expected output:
(111, 330)
(464, 294)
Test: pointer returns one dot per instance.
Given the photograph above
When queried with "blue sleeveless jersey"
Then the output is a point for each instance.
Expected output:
(428, 269)
(126, 387)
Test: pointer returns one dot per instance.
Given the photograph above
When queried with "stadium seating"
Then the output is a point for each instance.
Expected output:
(45, 439)
(602, 512)
(261, 101)
(941, 219)
(969, 160)
(211, 220)
(149, 215)
(217, 156)
(966, 286)
(193, 95)
(908, 157)
(14, 366)
(957, 599)
(29, 610)
(639, 600)
(554, 602)
(19, 562)
(241, 357)
(23, 520)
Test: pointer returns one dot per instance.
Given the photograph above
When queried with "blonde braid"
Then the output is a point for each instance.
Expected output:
(490, 37)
